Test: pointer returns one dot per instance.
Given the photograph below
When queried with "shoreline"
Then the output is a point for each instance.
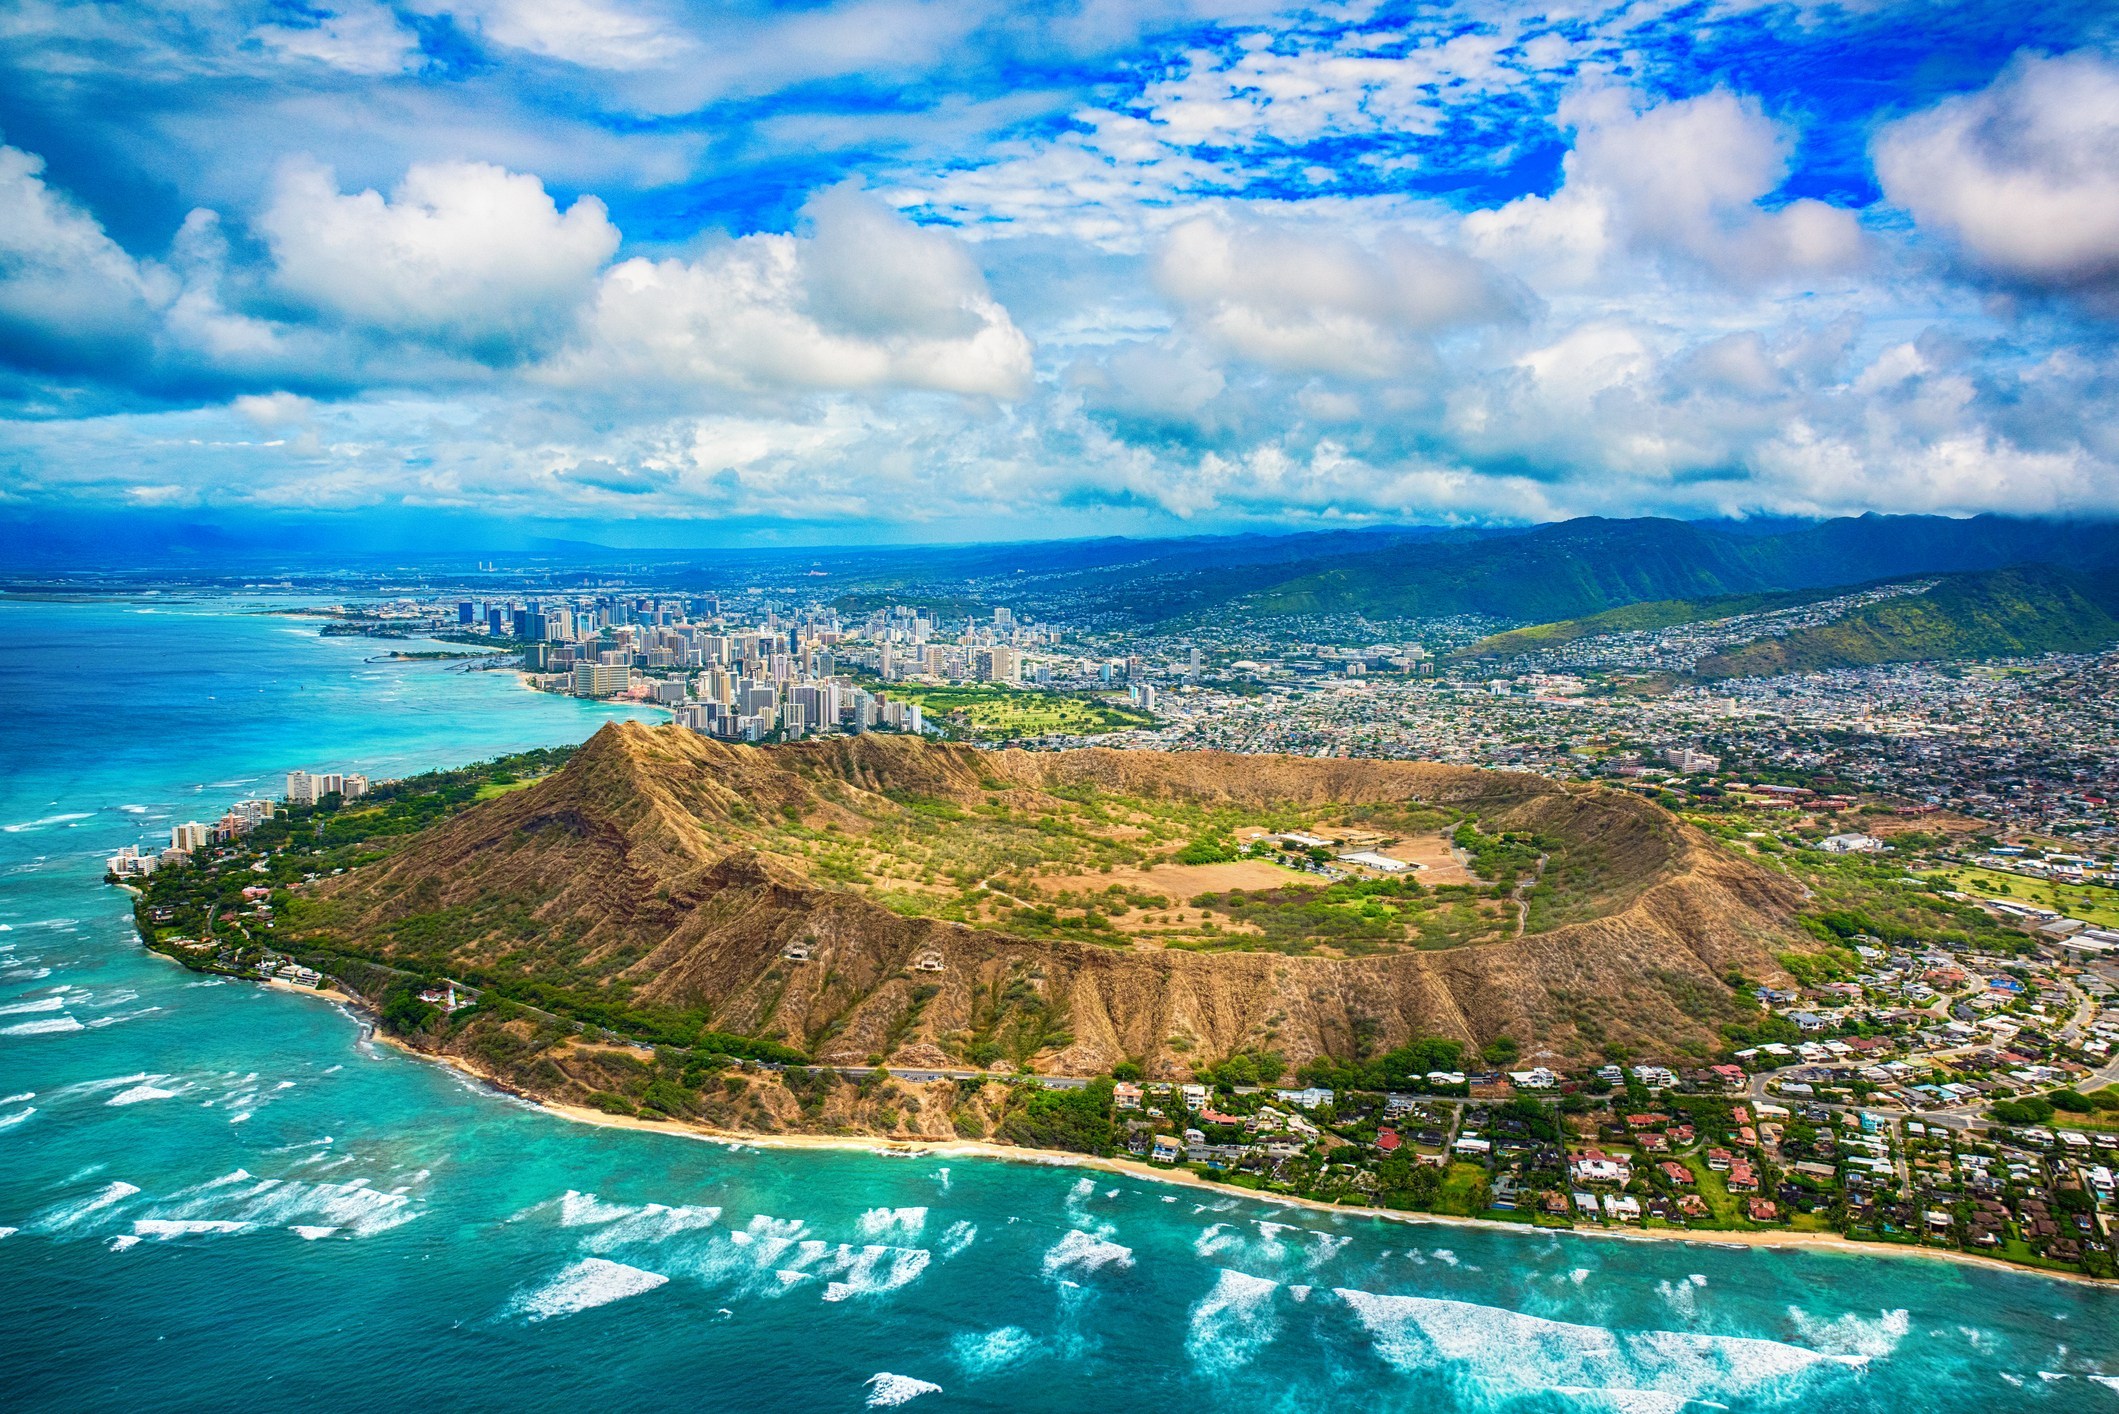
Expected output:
(1132, 1168)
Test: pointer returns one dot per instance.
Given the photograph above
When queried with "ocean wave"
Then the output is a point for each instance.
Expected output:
(103, 1021)
(1498, 1348)
(1232, 1322)
(20, 826)
(956, 1237)
(988, 1352)
(310, 1233)
(1082, 1252)
(162, 1229)
(10, 1121)
(18, 1097)
(893, 1222)
(1853, 1334)
(649, 1224)
(887, 1391)
(589, 1283)
(40, 1004)
(143, 1092)
(70, 1215)
(586, 1209)
(872, 1270)
(354, 1206)
(51, 1026)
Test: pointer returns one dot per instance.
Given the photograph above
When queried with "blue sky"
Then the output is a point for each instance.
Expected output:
(907, 270)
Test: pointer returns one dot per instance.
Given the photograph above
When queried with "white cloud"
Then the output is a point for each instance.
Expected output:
(1296, 297)
(1683, 179)
(866, 301)
(355, 38)
(470, 255)
(67, 290)
(2023, 175)
(594, 34)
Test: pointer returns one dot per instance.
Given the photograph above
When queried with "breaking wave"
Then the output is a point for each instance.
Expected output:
(1232, 1322)
(591, 1282)
(1498, 1348)
(887, 1391)
(1082, 1252)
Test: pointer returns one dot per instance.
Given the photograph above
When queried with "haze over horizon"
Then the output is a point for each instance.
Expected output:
(645, 273)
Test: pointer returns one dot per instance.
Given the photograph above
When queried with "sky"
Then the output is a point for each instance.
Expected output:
(967, 269)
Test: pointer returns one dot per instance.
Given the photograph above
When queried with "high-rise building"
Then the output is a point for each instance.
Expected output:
(601, 679)
(302, 788)
(190, 836)
(467, 612)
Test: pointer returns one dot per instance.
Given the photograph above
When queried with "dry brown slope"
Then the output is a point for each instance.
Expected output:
(632, 866)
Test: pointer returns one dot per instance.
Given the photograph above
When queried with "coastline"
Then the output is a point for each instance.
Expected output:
(1132, 1168)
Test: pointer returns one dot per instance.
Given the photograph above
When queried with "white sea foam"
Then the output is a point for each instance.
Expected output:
(873, 1270)
(887, 1391)
(1081, 1252)
(893, 1222)
(68, 1215)
(10, 1121)
(1215, 1240)
(311, 1234)
(50, 1026)
(1232, 1322)
(585, 1209)
(123, 1241)
(1496, 1348)
(591, 1282)
(103, 1021)
(984, 1353)
(7, 1232)
(40, 1004)
(1628, 1401)
(650, 1223)
(143, 1092)
(1852, 1334)
(239, 1197)
(163, 1229)
(956, 1237)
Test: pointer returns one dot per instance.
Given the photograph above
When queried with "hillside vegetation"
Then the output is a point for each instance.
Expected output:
(1637, 618)
(2002, 613)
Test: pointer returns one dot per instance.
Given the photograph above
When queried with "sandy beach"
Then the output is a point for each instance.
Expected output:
(1131, 1168)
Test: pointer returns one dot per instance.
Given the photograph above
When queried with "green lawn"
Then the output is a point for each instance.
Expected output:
(2092, 903)
(993, 712)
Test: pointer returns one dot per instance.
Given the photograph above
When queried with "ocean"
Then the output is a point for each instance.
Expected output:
(218, 1196)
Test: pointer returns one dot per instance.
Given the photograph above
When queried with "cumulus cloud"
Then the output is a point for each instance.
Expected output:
(1683, 179)
(1298, 298)
(69, 294)
(472, 256)
(2023, 176)
(866, 300)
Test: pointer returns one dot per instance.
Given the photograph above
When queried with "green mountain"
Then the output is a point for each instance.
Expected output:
(1661, 613)
(1584, 567)
(1996, 614)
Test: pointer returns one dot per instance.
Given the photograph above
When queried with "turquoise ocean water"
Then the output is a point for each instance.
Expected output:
(220, 1197)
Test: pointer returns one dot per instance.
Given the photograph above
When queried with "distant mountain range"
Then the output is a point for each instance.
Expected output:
(1583, 567)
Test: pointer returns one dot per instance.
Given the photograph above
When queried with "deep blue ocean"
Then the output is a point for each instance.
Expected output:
(219, 1197)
